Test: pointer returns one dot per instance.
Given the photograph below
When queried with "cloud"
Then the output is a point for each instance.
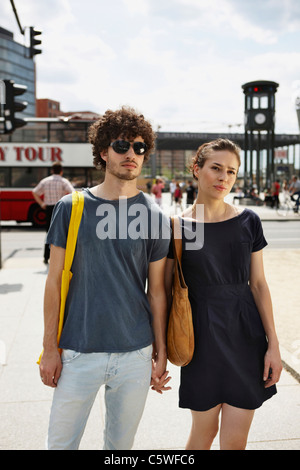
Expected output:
(224, 17)
(277, 15)
(181, 62)
(140, 7)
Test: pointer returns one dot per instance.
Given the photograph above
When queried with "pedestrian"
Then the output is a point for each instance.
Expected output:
(178, 197)
(254, 196)
(52, 188)
(157, 191)
(236, 360)
(275, 194)
(114, 332)
(172, 190)
(149, 186)
(295, 191)
(190, 194)
(285, 191)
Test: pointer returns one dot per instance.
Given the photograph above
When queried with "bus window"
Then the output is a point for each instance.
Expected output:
(68, 132)
(4, 177)
(94, 177)
(76, 176)
(27, 177)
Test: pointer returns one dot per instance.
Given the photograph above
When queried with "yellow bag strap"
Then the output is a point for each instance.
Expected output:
(77, 208)
(76, 213)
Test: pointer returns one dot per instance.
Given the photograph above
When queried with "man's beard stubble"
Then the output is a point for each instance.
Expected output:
(127, 175)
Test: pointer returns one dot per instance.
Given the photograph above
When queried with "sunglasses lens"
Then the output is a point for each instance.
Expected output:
(121, 146)
(140, 148)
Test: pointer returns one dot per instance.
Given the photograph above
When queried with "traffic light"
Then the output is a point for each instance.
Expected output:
(11, 106)
(34, 42)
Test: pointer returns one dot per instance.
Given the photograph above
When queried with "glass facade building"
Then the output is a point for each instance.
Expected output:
(16, 65)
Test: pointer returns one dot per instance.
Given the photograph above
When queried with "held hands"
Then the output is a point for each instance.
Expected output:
(159, 376)
(159, 385)
(51, 367)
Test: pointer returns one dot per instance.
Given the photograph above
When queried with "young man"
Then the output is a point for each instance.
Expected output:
(113, 328)
(53, 188)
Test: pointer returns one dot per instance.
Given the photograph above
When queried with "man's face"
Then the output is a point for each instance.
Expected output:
(126, 166)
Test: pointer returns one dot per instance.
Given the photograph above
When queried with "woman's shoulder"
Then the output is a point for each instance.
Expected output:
(250, 220)
(249, 213)
(242, 212)
(233, 212)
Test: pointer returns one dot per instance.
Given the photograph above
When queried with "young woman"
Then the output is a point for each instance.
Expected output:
(236, 361)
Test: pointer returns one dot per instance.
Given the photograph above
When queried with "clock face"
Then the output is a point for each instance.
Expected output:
(259, 118)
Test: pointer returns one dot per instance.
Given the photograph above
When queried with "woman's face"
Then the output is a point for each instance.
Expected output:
(218, 175)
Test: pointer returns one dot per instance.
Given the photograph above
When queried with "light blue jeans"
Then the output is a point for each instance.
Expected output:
(126, 377)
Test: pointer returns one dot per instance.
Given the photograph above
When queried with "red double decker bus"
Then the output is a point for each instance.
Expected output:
(26, 156)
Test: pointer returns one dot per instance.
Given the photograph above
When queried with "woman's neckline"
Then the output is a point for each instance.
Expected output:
(220, 221)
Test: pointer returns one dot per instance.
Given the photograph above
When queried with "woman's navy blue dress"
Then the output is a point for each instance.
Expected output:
(230, 341)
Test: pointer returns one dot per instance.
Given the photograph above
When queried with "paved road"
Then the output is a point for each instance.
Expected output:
(285, 235)
(25, 241)
(25, 402)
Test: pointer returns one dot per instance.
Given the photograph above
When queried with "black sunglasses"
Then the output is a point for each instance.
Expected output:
(122, 147)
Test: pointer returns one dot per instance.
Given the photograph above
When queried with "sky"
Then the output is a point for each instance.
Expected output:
(181, 63)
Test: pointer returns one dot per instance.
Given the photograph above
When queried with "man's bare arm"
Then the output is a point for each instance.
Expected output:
(50, 365)
(158, 303)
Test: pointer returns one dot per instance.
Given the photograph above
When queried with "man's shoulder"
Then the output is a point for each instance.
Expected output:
(65, 201)
(147, 199)
(65, 180)
(49, 179)
(46, 179)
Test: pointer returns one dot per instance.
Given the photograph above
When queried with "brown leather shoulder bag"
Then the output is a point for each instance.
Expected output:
(180, 335)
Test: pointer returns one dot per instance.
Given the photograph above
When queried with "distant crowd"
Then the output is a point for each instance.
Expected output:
(290, 189)
(177, 190)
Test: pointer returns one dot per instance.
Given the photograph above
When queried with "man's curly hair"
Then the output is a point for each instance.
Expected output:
(124, 123)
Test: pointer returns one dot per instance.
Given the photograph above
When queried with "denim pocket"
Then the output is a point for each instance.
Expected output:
(69, 355)
(145, 353)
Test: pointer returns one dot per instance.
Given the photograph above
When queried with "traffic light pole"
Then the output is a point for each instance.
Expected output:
(17, 17)
(11, 122)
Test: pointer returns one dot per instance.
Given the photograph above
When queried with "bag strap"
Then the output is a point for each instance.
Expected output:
(177, 238)
(76, 213)
(77, 208)
(177, 248)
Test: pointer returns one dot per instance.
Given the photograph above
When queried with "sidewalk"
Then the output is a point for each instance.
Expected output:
(25, 402)
(266, 213)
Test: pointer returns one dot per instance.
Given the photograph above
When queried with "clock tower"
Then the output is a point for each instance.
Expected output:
(259, 129)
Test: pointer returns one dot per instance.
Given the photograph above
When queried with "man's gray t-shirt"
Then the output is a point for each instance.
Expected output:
(107, 309)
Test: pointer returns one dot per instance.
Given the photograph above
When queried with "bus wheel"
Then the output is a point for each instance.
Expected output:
(37, 216)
